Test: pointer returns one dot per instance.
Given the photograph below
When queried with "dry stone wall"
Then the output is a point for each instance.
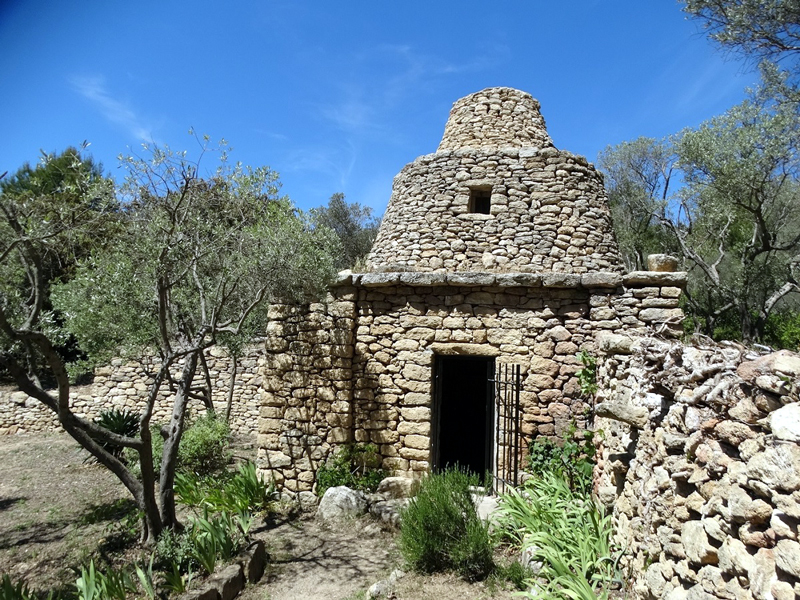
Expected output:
(493, 118)
(547, 208)
(124, 385)
(701, 467)
(548, 213)
(359, 367)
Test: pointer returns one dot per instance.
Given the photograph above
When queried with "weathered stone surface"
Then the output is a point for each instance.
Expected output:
(785, 423)
(254, 561)
(637, 416)
(341, 503)
(228, 582)
(696, 545)
(612, 343)
(489, 152)
(655, 278)
(787, 557)
(777, 467)
(663, 263)
(398, 487)
(601, 280)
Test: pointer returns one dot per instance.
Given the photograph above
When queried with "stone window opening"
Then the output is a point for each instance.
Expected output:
(480, 200)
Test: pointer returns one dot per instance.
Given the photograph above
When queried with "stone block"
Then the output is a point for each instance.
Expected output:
(663, 263)
(654, 278)
(229, 582)
(601, 280)
(419, 442)
(254, 561)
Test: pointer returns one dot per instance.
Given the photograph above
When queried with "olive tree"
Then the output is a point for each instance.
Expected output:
(195, 262)
(727, 205)
(353, 224)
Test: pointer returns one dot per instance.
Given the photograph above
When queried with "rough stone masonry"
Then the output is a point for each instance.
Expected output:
(495, 250)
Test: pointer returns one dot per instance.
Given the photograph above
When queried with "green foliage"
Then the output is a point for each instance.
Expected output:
(203, 449)
(216, 537)
(15, 591)
(515, 574)
(177, 582)
(146, 579)
(725, 197)
(568, 532)
(638, 175)
(353, 465)
(222, 247)
(52, 216)
(587, 376)
(175, 550)
(783, 330)
(97, 585)
(204, 446)
(243, 492)
(441, 531)
(354, 226)
(573, 460)
(121, 422)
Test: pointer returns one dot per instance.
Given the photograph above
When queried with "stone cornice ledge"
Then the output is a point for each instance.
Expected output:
(675, 279)
(533, 280)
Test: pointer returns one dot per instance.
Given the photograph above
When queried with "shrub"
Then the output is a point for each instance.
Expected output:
(203, 449)
(570, 535)
(440, 528)
(173, 548)
(353, 465)
(204, 446)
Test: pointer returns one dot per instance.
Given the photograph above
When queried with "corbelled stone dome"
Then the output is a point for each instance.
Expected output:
(495, 118)
(497, 196)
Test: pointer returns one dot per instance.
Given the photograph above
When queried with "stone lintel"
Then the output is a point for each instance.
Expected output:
(445, 349)
(655, 278)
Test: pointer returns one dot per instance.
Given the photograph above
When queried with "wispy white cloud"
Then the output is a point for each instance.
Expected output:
(388, 76)
(93, 88)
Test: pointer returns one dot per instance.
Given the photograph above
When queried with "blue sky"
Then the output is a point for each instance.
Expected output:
(338, 96)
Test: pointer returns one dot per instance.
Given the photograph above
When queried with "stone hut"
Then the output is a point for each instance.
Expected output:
(495, 264)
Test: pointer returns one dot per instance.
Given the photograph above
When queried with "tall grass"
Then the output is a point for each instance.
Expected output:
(568, 533)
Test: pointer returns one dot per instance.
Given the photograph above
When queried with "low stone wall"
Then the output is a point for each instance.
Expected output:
(124, 385)
(701, 465)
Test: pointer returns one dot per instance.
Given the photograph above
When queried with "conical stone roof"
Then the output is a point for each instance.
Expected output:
(497, 196)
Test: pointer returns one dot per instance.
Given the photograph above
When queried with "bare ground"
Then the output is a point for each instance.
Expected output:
(57, 512)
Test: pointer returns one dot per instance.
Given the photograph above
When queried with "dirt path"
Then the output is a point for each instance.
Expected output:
(56, 511)
(312, 562)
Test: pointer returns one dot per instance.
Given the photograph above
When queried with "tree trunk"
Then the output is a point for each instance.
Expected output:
(151, 519)
(172, 441)
(231, 383)
(207, 401)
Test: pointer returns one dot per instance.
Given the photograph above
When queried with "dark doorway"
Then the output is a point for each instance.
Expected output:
(464, 413)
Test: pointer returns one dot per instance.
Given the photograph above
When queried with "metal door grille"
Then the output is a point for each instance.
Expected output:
(507, 439)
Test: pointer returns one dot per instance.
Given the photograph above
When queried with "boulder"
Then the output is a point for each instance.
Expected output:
(341, 503)
(783, 362)
(397, 487)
